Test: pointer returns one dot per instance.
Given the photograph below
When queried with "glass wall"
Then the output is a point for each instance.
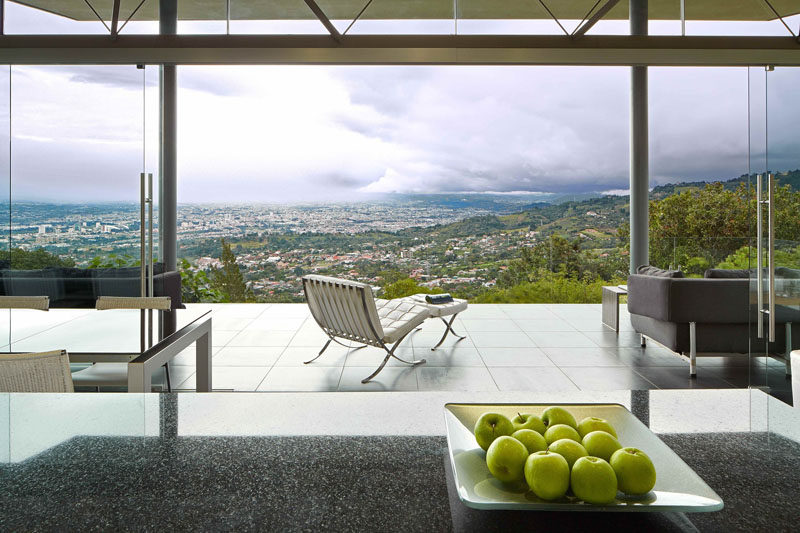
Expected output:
(75, 141)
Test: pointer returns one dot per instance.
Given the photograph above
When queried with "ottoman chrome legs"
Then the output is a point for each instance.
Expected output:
(449, 329)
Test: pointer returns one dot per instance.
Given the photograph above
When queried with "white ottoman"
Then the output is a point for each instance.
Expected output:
(440, 311)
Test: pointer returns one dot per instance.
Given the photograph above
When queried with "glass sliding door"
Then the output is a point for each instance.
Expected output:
(775, 178)
(77, 156)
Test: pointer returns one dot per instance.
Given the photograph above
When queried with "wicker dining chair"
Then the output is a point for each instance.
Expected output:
(116, 374)
(35, 372)
(347, 310)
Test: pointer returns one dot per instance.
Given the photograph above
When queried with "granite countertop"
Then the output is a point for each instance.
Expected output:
(362, 463)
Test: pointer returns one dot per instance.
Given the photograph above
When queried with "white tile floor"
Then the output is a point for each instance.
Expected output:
(537, 347)
(262, 347)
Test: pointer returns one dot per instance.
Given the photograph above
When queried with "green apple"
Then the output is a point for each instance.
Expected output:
(558, 415)
(547, 475)
(561, 431)
(506, 458)
(635, 471)
(528, 421)
(532, 440)
(600, 444)
(568, 449)
(592, 423)
(593, 480)
(490, 426)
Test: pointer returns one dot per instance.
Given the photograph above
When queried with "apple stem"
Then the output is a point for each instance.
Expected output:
(520, 417)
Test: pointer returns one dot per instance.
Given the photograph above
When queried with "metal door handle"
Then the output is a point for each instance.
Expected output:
(759, 257)
(771, 253)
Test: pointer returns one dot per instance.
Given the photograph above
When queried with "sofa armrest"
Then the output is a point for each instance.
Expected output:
(649, 296)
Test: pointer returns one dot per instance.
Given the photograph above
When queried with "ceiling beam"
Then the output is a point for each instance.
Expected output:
(623, 50)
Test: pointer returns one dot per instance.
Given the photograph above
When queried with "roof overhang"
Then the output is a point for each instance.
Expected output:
(719, 10)
(400, 50)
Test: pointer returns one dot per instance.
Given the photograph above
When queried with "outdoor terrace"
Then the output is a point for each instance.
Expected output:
(509, 347)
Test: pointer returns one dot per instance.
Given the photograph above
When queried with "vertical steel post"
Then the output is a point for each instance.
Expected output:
(639, 147)
(168, 160)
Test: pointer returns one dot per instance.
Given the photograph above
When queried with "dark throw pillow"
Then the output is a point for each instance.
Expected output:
(728, 273)
(647, 270)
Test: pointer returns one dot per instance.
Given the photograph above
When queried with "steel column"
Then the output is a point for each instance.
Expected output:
(168, 158)
(639, 148)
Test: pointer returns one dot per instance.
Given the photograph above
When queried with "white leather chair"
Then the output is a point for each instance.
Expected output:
(347, 310)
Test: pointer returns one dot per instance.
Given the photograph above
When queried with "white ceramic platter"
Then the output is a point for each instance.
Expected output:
(678, 487)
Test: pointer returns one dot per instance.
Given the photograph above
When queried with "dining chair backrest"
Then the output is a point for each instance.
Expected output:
(35, 372)
(40, 303)
(343, 308)
(161, 303)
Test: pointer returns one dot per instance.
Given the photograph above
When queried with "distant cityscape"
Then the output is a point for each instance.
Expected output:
(276, 244)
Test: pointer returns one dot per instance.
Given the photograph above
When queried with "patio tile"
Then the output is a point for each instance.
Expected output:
(455, 378)
(188, 356)
(540, 379)
(527, 312)
(250, 337)
(421, 339)
(221, 338)
(482, 311)
(514, 357)
(287, 310)
(238, 310)
(372, 357)
(335, 355)
(229, 323)
(549, 324)
(237, 378)
(488, 324)
(448, 356)
(389, 379)
(583, 357)
(610, 338)
(724, 361)
(311, 336)
(247, 356)
(604, 379)
(560, 339)
(590, 324)
(647, 357)
(508, 339)
(673, 377)
(276, 323)
(311, 379)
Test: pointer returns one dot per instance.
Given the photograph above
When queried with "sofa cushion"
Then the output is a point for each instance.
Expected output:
(728, 273)
(787, 273)
(647, 270)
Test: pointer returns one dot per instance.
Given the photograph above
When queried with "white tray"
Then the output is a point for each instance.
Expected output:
(678, 487)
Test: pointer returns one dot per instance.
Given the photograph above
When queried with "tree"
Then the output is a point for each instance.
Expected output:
(196, 285)
(229, 280)
(406, 287)
(20, 259)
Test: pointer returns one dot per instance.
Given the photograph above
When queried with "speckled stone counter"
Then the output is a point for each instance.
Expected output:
(178, 475)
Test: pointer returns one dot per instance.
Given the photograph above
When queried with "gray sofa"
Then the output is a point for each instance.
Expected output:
(713, 313)
(80, 287)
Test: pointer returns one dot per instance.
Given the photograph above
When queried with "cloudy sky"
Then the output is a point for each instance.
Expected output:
(278, 134)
